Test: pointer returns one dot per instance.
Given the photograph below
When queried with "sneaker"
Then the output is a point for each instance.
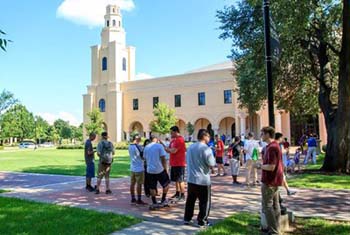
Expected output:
(141, 203)
(290, 193)
(188, 222)
(181, 199)
(175, 196)
(154, 207)
(133, 201)
(205, 225)
(164, 203)
(97, 191)
(89, 188)
(108, 191)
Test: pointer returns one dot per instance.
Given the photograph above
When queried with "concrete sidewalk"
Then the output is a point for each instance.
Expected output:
(226, 200)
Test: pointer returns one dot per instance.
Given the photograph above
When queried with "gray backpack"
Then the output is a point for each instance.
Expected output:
(106, 153)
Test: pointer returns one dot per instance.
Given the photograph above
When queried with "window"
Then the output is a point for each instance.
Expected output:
(155, 101)
(102, 105)
(228, 96)
(124, 64)
(113, 9)
(201, 98)
(177, 100)
(113, 23)
(104, 63)
(135, 104)
(107, 23)
(120, 24)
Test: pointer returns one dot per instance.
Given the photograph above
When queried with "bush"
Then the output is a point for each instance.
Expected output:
(121, 145)
(70, 147)
(324, 148)
(1, 147)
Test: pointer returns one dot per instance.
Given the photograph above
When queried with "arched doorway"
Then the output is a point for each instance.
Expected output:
(136, 127)
(104, 127)
(227, 126)
(202, 123)
(182, 126)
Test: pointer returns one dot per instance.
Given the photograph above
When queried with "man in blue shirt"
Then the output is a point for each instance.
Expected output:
(311, 149)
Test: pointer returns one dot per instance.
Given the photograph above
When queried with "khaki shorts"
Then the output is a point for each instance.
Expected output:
(137, 177)
(103, 170)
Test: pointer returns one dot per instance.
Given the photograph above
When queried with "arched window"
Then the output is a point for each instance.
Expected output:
(113, 23)
(124, 64)
(102, 105)
(107, 23)
(104, 63)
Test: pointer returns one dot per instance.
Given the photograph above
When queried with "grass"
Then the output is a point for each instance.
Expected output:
(249, 224)
(316, 179)
(31, 218)
(3, 191)
(54, 161)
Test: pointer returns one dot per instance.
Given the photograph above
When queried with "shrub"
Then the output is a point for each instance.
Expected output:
(121, 145)
(70, 147)
(1, 147)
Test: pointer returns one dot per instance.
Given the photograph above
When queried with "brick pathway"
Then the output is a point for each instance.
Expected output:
(226, 200)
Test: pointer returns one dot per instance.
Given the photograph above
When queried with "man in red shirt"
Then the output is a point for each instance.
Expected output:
(219, 150)
(271, 178)
(177, 150)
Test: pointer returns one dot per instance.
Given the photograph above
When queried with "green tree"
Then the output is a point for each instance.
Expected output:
(63, 129)
(313, 63)
(190, 128)
(95, 123)
(77, 132)
(7, 99)
(52, 134)
(164, 119)
(3, 40)
(41, 129)
(18, 122)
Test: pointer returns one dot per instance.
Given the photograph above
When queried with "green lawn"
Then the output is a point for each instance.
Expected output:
(54, 161)
(319, 179)
(249, 224)
(32, 218)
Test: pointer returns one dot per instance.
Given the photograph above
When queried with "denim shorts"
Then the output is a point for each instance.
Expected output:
(90, 170)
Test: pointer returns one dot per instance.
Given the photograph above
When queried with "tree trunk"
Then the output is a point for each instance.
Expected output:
(343, 116)
(338, 119)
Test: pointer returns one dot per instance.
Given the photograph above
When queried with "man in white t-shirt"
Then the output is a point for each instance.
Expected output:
(154, 154)
(251, 150)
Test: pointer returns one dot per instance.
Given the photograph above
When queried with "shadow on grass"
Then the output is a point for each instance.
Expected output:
(237, 224)
(120, 168)
(32, 218)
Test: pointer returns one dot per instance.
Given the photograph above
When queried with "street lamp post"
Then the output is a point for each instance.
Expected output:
(268, 58)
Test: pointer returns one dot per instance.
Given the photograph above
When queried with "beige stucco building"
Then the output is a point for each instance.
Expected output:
(205, 97)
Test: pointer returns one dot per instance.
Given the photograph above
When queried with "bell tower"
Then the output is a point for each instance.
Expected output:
(113, 28)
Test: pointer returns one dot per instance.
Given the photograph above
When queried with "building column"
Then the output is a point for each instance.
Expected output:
(128, 136)
(322, 129)
(148, 134)
(216, 130)
(243, 126)
(278, 122)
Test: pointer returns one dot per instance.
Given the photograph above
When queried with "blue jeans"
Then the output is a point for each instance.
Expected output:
(311, 151)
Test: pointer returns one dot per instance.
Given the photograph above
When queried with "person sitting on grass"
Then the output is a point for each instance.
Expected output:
(105, 151)
(137, 170)
(89, 161)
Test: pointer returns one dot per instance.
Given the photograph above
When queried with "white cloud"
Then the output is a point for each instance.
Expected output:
(89, 12)
(141, 76)
(51, 117)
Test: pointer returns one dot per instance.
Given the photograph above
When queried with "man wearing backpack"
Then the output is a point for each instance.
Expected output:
(251, 147)
(105, 151)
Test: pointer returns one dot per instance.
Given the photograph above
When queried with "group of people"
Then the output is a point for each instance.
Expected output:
(164, 162)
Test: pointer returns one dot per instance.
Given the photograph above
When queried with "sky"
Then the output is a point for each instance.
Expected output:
(47, 66)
